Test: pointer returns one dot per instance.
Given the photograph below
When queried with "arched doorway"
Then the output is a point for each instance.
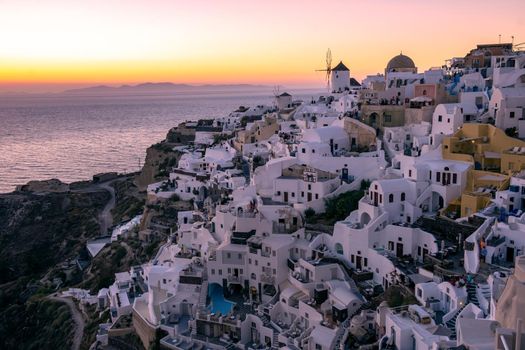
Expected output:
(373, 119)
(365, 219)
(437, 202)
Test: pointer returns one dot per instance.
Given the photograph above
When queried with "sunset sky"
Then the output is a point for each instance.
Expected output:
(57, 43)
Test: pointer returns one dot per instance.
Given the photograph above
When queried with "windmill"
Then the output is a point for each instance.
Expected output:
(328, 68)
(276, 90)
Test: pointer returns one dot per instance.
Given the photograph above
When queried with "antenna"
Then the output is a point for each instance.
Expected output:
(328, 68)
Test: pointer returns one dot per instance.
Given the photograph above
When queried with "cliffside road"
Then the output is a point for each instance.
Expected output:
(77, 318)
(105, 218)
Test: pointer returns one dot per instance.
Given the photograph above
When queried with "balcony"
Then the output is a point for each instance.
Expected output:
(266, 278)
(265, 254)
(236, 279)
(300, 277)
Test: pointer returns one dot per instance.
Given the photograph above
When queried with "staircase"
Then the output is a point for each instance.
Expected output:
(275, 340)
(471, 292)
(203, 293)
(451, 324)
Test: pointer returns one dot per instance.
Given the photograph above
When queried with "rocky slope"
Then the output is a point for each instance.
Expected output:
(40, 230)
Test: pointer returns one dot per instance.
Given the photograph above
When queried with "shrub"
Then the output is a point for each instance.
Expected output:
(309, 213)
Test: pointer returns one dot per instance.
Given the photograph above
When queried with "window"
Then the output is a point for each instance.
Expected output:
(278, 193)
(239, 256)
(317, 196)
(448, 120)
(352, 258)
(410, 173)
(391, 198)
(229, 270)
(256, 263)
(387, 119)
(438, 176)
(309, 187)
(511, 165)
(430, 175)
(390, 245)
(366, 261)
(511, 115)
(302, 193)
(419, 250)
(220, 272)
(440, 118)
(402, 196)
(313, 151)
(293, 194)
(213, 271)
(303, 150)
(454, 178)
(228, 255)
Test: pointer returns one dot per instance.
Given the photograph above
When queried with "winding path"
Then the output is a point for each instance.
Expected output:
(77, 318)
(105, 218)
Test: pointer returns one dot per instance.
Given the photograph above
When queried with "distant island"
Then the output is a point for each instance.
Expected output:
(162, 87)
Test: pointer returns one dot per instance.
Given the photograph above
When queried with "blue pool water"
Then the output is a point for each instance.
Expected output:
(217, 301)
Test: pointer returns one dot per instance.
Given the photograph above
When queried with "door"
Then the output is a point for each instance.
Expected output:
(309, 196)
(510, 254)
(344, 174)
(286, 197)
(399, 250)
(375, 198)
(358, 262)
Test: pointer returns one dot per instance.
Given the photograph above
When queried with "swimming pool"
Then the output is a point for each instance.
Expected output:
(217, 301)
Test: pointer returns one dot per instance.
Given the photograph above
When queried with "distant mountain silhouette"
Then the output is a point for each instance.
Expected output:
(161, 87)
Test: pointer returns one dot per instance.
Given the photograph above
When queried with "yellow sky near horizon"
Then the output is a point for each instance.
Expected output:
(233, 41)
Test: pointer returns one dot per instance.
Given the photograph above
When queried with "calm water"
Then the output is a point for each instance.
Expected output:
(73, 137)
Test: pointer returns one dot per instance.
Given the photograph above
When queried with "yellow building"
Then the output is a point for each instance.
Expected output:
(487, 147)
(495, 157)
(260, 130)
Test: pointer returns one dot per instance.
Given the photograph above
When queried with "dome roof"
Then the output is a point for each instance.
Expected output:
(399, 62)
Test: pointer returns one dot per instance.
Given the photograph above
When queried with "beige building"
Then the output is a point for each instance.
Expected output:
(361, 135)
(259, 130)
(381, 116)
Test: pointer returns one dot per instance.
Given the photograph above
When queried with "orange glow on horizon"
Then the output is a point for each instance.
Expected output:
(233, 41)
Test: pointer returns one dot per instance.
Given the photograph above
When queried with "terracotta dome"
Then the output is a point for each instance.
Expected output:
(400, 62)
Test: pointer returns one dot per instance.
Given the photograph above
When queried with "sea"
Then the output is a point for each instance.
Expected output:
(71, 137)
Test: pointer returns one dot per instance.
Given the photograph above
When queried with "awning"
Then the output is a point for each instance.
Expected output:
(492, 155)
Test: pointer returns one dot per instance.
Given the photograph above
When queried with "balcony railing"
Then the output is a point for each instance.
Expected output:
(232, 278)
(265, 278)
